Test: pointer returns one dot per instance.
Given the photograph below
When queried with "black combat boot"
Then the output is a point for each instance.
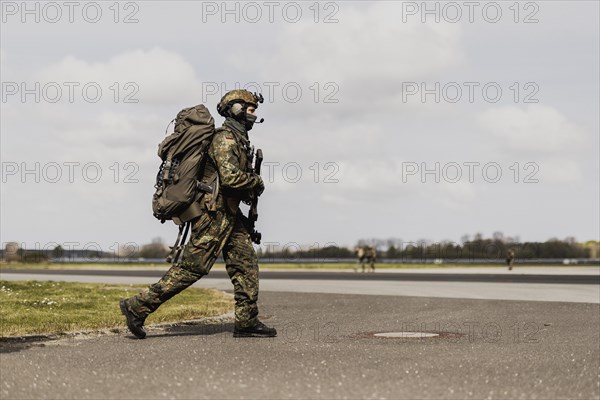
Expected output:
(258, 330)
(134, 323)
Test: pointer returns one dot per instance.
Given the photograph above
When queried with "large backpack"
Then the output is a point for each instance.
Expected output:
(183, 154)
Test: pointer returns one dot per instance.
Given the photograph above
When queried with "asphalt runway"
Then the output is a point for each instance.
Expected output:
(527, 334)
(486, 349)
(580, 285)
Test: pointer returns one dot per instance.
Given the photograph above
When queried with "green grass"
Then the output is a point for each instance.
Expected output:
(32, 307)
(49, 265)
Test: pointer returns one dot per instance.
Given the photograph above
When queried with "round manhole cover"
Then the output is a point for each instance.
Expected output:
(415, 335)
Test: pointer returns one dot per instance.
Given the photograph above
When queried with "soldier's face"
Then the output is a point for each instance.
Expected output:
(251, 110)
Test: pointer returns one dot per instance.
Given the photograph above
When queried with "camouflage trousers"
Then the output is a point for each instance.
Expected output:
(212, 233)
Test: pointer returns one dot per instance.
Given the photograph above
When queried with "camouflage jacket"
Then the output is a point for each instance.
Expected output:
(229, 155)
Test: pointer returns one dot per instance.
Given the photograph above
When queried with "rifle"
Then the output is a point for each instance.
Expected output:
(253, 212)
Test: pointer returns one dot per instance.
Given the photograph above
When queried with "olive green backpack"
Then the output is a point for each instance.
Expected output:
(183, 154)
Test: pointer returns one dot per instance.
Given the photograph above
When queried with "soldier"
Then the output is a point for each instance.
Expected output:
(359, 251)
(365, 254)
(510, 257)
(221, 227)
(371, 256)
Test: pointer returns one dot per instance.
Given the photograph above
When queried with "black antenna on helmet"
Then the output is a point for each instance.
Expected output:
(259, 99)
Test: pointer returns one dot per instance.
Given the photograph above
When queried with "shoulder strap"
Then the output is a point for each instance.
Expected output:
(178, 247)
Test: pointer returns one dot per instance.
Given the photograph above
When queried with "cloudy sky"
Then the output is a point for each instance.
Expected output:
(382, 119)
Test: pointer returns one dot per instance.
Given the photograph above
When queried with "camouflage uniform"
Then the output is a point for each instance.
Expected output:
(365, 254)
(371, 256)
(221, 228)
(510, 257)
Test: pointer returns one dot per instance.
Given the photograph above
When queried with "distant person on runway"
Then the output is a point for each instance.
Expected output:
(365, 255)
(510, 258)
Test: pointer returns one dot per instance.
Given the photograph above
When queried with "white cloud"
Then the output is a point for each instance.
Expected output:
(361, 62)
(536, 128)
(373, 181)
(555, 148)
(557, 170)
(368, 44)
(163, 77)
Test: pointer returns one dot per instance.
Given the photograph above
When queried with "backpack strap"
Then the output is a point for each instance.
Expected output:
(178, 247)
(213, 181)
(212, 205)
(185, 232)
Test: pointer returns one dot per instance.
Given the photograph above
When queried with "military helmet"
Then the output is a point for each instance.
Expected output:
(238, 96)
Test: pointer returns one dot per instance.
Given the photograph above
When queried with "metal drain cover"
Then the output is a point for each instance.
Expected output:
(402, 335)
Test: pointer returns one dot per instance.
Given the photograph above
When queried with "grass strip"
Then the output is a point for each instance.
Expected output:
(36, 307)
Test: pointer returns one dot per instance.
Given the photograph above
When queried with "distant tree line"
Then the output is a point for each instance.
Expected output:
(14, 252)
(477, 247)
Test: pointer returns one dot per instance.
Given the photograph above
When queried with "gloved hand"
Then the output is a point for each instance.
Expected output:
(260, 188)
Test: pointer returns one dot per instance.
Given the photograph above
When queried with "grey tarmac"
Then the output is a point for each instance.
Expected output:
(533, 284)
(496, 349)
